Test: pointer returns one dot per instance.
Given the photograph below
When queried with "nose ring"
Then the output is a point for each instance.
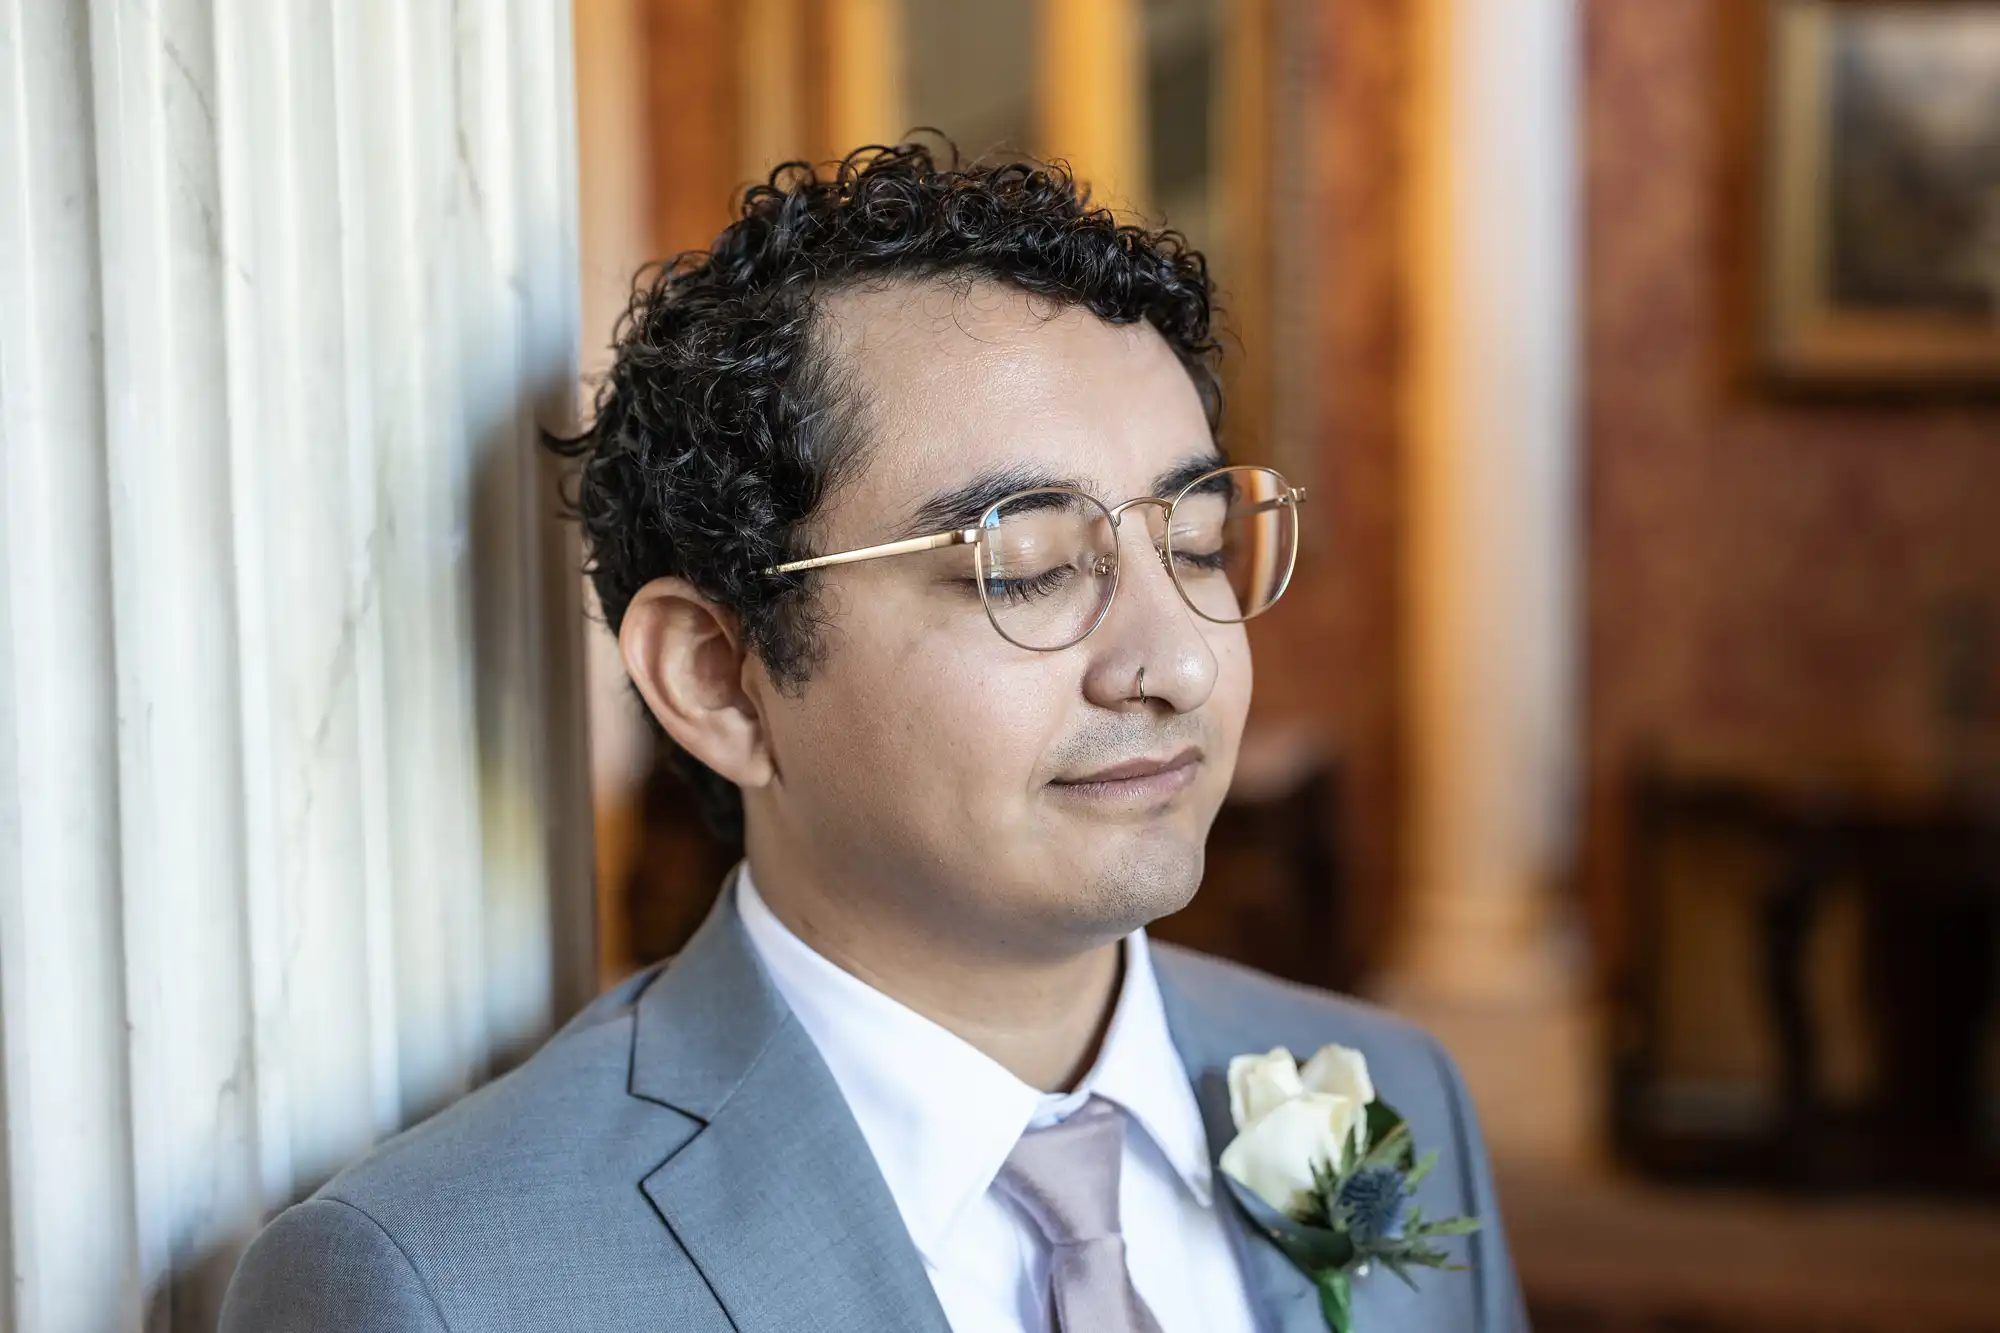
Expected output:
(1142, 685)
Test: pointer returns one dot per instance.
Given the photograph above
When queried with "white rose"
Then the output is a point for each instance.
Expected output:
(1274, 1158)
(1259, 1083)
(1289, 1119)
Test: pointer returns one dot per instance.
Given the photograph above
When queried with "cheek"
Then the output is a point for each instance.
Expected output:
(1233, 674)
(956, 720)
(1228, 706)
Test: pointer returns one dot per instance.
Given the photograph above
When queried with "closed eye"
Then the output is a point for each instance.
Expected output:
(1018, 591)
(1205, 561)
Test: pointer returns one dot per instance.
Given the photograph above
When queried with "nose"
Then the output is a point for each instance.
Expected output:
(1148, 626)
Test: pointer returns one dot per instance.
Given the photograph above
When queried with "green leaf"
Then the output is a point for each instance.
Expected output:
(1420, 1170)
(1393, 1148)
(1310, 1247)
(1314, 1248)
(1454, 1226)
(1409, 1251)
(1381, 1118)
(1326, 1192)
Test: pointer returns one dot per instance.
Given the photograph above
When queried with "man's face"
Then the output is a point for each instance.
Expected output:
(965, 779)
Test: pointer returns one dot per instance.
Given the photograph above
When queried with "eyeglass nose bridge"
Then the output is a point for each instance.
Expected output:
(1117, 513)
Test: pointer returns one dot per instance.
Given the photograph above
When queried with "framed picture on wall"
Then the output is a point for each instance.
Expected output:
(1882, 194)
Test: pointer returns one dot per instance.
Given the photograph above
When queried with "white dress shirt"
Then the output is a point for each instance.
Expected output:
(941, 1118)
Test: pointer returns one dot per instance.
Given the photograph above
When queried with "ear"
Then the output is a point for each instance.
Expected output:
(683, 653)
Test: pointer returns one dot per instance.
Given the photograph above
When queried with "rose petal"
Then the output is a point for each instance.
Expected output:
(1340, 1070)
(1274, 1158)
(1260, 1083)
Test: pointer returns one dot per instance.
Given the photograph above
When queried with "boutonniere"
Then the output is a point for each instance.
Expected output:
(1326, 1170)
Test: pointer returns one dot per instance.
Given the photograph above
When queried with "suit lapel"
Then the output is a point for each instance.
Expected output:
(777, 1198)
(1287, 1300)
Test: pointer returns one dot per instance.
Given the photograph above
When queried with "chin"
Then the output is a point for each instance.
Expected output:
(1156, 874)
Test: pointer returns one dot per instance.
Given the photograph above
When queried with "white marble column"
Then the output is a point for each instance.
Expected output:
(1493, 486)
(293, 824)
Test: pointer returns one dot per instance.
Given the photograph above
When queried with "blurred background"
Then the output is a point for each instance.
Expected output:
(1634, 718)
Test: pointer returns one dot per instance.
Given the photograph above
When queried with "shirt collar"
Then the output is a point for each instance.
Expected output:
(941, 1116)
(1140, 1069)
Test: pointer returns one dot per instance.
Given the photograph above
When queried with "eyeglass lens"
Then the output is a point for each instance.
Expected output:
(1049, 558)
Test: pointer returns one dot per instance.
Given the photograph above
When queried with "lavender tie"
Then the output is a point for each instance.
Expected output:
(1066, 1178)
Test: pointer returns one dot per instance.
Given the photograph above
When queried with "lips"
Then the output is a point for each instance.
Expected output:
(1136, 770)
(1141, 788)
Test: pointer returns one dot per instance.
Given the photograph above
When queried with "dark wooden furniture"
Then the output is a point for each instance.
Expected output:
(677, 870)
(1925, 864)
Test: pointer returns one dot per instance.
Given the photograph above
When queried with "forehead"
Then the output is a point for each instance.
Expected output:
(955, 381)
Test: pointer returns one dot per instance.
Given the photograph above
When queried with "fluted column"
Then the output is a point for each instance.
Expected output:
(1493, 480)
(293, 836)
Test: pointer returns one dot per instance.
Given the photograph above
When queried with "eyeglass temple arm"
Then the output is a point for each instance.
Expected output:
(908, 546)
(960, 537)
(1296, 495)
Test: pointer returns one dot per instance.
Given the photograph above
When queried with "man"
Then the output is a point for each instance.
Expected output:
(905, 503)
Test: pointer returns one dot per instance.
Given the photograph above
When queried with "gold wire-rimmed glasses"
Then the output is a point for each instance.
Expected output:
(1045, 561)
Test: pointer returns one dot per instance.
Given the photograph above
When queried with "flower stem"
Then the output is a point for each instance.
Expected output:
(1336, 1299)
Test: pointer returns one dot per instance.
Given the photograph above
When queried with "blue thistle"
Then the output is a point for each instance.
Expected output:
(1372, 1202)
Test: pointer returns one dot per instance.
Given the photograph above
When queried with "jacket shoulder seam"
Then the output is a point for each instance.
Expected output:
(437, 1308)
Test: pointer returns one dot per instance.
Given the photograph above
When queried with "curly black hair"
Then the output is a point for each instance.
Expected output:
(723, 423)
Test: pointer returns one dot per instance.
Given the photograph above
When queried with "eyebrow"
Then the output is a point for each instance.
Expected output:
(1175, 479)
(962, 506)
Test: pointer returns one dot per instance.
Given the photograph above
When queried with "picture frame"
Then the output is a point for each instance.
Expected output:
(1881, 195)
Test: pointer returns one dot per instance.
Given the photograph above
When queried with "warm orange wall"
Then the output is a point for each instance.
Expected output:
(690, 120)
(1764, 577)
(1330, 656)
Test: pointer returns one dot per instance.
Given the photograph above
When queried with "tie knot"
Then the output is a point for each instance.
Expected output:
(1066, 1176)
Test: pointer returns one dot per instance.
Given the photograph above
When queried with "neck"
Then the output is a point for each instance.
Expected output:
(1042, 1018)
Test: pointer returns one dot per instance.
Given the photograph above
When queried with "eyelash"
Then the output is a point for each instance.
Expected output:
(1209, 562)
(1022, 590)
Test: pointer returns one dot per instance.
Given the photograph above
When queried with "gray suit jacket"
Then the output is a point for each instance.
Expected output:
(679, 1158)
